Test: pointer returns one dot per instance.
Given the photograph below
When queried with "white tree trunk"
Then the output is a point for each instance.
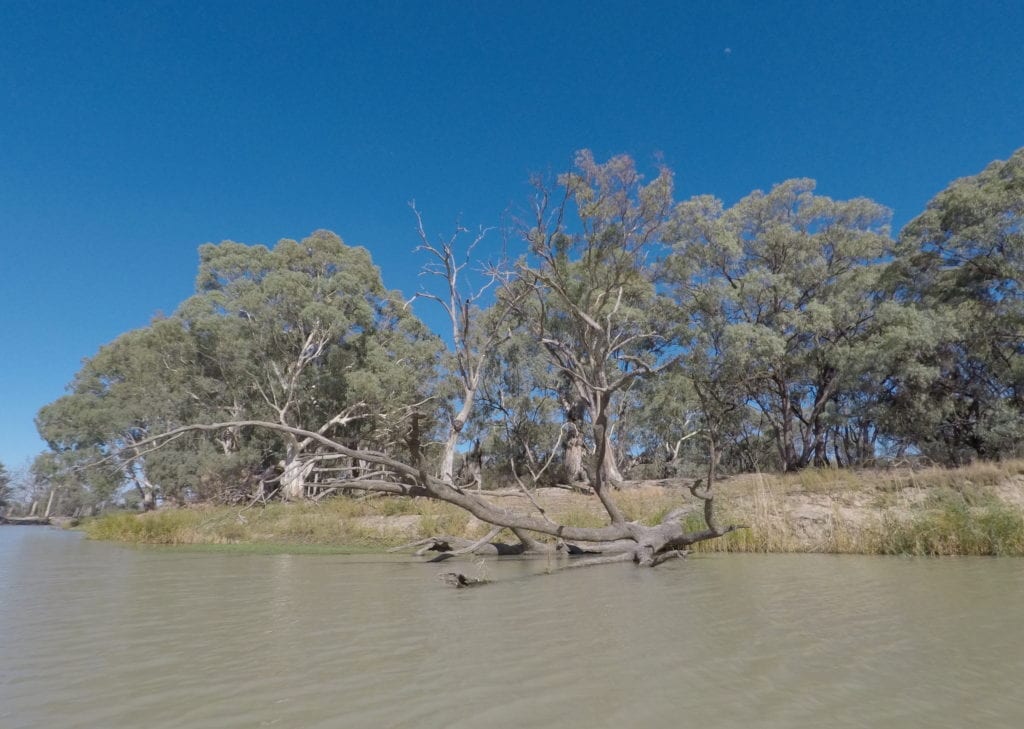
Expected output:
(294, 473)
(574, 457)
(49, 504)
(448, 459)
(610, 467)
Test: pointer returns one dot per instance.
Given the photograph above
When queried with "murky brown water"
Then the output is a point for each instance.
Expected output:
(96, 635)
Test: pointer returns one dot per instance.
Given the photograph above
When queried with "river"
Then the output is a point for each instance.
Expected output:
(98, 635)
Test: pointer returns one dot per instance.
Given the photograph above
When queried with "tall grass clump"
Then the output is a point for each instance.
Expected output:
(173, 526)
(767, 529)
(438, 518)
(956, 529)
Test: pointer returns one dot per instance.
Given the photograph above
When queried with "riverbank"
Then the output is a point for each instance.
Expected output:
(978, 510)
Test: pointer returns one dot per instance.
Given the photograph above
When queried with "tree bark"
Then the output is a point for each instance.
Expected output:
(612, 474)
(448, 458)
(49, 504)
(574, 455)
(294, 473)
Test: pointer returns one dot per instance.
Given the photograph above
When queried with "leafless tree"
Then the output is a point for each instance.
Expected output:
(474, 335)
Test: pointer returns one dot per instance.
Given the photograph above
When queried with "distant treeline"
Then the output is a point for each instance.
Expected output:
(629, 333)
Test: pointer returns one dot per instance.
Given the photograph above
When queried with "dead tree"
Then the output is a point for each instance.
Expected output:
(474, 338)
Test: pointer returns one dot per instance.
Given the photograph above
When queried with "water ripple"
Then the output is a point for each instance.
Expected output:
(99, 635)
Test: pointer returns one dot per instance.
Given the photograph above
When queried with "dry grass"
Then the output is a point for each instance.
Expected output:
(973, 510)
(371, 523)
(976, 510)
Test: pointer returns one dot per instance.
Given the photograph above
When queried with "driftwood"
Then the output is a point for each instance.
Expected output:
(25, 520)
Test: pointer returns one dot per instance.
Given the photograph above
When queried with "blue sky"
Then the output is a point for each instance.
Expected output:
(133, 132)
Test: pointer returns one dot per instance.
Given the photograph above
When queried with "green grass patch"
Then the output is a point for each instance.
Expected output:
(173, 526)
(956, 529)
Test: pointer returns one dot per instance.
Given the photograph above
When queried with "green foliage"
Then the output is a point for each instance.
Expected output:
(304, 331)
(781, 295)
(961, 263)
(519, 420)
(298, 334)
(145, 382)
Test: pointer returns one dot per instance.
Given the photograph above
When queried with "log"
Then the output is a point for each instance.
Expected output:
(25, 520)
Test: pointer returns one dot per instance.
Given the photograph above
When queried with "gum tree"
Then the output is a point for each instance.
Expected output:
(5, 486)
(787, 282)
(594, 303)
(961, 268)
(474, 335)
(144, 382)
(306, 333)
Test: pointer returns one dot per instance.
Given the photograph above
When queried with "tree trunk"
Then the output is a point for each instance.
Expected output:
(472, 471)
(574, 455)
(293, 479)
(448, 459)
(147, 498)
(49, 504)
(574, 413)
(294, 474)
(820, 445)
(784, 435)
(612, 474)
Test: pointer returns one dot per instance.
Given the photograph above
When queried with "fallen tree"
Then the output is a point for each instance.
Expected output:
(25, 520)
(535, 533)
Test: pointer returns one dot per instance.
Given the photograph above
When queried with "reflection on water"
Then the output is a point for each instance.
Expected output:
(97, 635)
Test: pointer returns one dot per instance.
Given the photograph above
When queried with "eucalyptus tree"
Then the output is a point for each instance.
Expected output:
(305, 334)
(519, 419)
(63, 484)
(595, 305)
(788, 283)
(142, 383)
(892, 412)
(961, 262)
(663, 426)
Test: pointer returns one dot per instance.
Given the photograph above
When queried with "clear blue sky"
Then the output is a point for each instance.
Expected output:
(133, 132)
